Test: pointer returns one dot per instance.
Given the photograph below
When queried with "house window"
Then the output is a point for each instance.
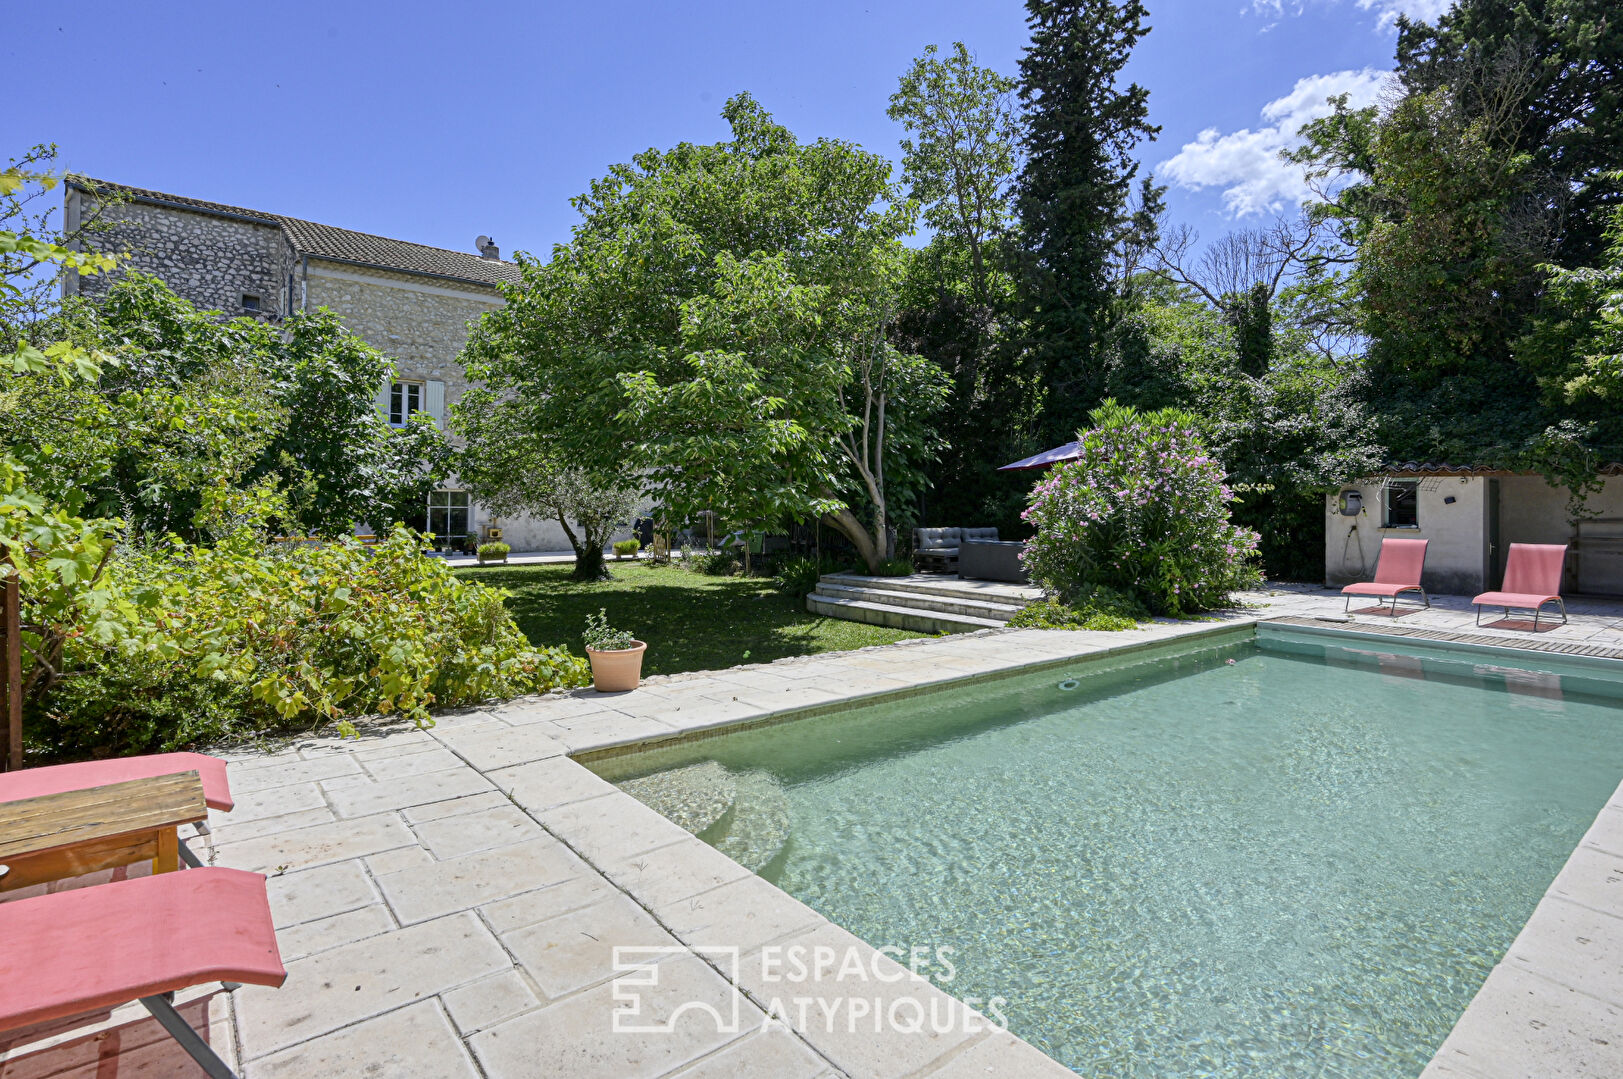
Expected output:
(404, 399)
(1400, 504)
(250, 302)
(448, 513)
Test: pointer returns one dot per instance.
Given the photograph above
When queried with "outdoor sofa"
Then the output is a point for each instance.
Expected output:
(936, 549)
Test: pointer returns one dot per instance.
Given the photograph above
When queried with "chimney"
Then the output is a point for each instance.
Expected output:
(488, 248)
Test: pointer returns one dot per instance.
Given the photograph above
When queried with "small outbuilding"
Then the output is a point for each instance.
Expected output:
(1472, 515)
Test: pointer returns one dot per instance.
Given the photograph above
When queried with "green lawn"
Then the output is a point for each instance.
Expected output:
(691, 622)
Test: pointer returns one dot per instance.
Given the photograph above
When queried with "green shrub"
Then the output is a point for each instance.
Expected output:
(602, 637)
(719, 564)
(248, 636)
(1098, 608)
(494, 552)
(798, 575)
(627, 547)
(894, 567)
(1144, 510)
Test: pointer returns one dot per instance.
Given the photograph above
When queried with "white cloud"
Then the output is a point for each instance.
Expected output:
(1246, 163)
(1386, 11)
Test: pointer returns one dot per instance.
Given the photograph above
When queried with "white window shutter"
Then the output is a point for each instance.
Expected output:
(435, 405)
(383, 396)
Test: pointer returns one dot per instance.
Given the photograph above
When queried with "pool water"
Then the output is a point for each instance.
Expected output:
(1267, 858)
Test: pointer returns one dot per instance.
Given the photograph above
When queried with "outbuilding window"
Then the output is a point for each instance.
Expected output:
(1400, 504)
(250, 302)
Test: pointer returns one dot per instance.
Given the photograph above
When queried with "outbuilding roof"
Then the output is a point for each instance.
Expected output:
(1440, 468)
(330, 242)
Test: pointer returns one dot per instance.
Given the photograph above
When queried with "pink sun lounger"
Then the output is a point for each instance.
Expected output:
(60, 778)
(1397, 570)
(82, 953)
(1532, 579)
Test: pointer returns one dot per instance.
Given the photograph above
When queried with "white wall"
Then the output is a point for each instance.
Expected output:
(1531, 511)
(1456, 560)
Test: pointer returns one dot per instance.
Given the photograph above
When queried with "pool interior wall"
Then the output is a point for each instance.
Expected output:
(1276, 856)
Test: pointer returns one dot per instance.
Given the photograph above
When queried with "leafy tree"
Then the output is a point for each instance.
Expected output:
(1459, 197)
(36, 250)
(514, 472)
(1082, 128)
(1567, 99)
(34, 255)
(719, 323)
(1576, 345)
(960, 156)
(195, 402)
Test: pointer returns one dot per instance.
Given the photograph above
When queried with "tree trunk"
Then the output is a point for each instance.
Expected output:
(846, 523)
(589, 565)
(588, 555)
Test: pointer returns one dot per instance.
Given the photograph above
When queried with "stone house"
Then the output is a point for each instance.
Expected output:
(1472, 515)
(410, 301)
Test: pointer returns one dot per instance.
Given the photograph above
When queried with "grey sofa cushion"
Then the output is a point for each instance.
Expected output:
(978, 534)
(932, 539)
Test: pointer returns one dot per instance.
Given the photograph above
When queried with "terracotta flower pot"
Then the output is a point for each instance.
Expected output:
(617, 670)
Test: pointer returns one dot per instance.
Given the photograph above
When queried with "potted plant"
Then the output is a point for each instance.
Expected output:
(627, 547)
(616, 656)
(493, 552)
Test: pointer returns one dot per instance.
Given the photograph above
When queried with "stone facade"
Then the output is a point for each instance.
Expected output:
(215, 255)
(210, 260)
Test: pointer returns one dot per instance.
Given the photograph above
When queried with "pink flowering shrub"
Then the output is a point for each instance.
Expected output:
(1144, 510)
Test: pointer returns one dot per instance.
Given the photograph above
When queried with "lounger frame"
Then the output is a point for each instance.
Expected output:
(1425, 600)
(1537, 611)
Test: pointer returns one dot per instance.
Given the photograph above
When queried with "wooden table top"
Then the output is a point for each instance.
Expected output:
(35, 825)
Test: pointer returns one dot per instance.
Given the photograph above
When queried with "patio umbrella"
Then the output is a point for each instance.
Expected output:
(1045, 459)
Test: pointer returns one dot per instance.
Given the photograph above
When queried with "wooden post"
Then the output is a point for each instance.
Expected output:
(11, 624)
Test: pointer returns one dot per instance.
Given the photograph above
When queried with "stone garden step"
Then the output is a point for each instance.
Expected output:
(934, 585)
(921, 601)
(885, 614)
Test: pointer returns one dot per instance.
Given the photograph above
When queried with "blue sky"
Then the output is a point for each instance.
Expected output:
(435, 122)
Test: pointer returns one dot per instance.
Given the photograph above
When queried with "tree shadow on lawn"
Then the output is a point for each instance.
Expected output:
(691, 622)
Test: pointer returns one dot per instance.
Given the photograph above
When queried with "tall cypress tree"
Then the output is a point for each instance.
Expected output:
(1081, 131)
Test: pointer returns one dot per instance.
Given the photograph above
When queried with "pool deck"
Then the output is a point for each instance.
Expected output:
(447, 901)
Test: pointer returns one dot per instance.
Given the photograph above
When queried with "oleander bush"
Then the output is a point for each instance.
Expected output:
(1143, 510)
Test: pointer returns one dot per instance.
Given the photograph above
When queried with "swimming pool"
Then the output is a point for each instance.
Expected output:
(1272, 856)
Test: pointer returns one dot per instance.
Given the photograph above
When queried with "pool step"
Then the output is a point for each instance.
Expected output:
(742, 814)
(757, 832)
(699, 797)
